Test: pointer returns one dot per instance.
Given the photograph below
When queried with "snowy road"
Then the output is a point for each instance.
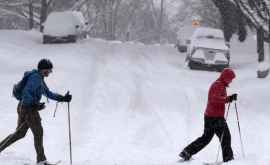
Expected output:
(132, 104)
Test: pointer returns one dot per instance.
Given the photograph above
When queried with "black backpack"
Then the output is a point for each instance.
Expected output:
(18, 87)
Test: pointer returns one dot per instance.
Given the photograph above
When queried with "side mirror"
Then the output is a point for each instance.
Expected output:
(77, 26)
(86, 23)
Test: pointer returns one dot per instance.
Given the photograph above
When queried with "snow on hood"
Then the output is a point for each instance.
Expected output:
(205, 37)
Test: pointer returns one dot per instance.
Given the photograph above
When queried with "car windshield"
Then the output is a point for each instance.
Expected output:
(210, 37)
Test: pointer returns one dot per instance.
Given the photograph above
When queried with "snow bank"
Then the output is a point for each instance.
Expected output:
(132, 104)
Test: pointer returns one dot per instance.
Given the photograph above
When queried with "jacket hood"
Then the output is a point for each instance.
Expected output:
(31, 72)
(227, 75)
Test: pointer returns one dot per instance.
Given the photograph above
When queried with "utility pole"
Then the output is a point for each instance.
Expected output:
(161, 19)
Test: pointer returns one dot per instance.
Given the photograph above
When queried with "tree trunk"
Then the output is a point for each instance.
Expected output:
(260, 45)
(31, 15)
(115, 17)
(161, 20)
(43, 13)
(110, 20)
(262, 71)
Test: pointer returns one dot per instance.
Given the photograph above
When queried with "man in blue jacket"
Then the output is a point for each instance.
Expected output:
(29, 107)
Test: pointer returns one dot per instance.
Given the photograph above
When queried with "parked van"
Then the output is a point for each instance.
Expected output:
(62, 27)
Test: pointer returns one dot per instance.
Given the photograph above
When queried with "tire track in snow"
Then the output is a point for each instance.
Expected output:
(94, 97)
(159, 117)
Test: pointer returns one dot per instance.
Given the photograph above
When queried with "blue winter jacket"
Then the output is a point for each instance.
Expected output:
(36, 87)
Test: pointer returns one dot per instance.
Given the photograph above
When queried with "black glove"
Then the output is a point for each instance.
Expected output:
(66, 98)
(232, 97)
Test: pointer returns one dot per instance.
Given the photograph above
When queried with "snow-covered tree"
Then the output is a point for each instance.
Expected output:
(257, 12)
(101, 13)
(208, 12)
(32, 12)
(126, 20)
(204, 10)
(22, 9)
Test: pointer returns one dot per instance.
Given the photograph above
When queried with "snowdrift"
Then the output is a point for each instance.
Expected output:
(132, 104)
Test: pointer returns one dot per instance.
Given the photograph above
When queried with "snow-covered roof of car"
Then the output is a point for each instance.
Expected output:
(208, 38)
(63, 23)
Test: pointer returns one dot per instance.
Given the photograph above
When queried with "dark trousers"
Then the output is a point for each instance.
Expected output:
(213, 126)
(27, 119)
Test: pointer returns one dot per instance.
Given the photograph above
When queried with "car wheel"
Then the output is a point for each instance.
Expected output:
(190, 65)
(45, 39)
(72, 38)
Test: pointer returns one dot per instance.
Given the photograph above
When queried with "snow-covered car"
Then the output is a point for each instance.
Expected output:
(62, 27)
(208, 50)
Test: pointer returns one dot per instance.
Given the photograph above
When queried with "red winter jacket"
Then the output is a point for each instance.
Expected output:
(217, 95)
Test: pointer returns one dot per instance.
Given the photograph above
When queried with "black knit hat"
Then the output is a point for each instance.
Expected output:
(45, 64)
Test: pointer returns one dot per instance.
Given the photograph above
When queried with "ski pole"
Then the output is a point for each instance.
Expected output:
(221, 139)
(56, 106)
(69, 128)
(237, 116)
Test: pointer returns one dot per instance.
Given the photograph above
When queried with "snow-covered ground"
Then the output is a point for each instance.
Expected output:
(132, 104)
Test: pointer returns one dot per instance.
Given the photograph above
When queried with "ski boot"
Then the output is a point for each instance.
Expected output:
(185, 155)
(228, 159)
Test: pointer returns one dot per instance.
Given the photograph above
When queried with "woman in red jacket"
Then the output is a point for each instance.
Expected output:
(214, 121)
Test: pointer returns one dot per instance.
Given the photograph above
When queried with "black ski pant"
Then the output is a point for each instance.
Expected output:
(213, 126)
(27, 119)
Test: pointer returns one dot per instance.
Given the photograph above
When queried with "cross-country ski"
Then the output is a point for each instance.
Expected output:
(45, 163)
(212, 163)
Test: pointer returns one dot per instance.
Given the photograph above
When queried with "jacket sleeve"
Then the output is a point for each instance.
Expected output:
(31, 86)
(216, 94)
(51, 95)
